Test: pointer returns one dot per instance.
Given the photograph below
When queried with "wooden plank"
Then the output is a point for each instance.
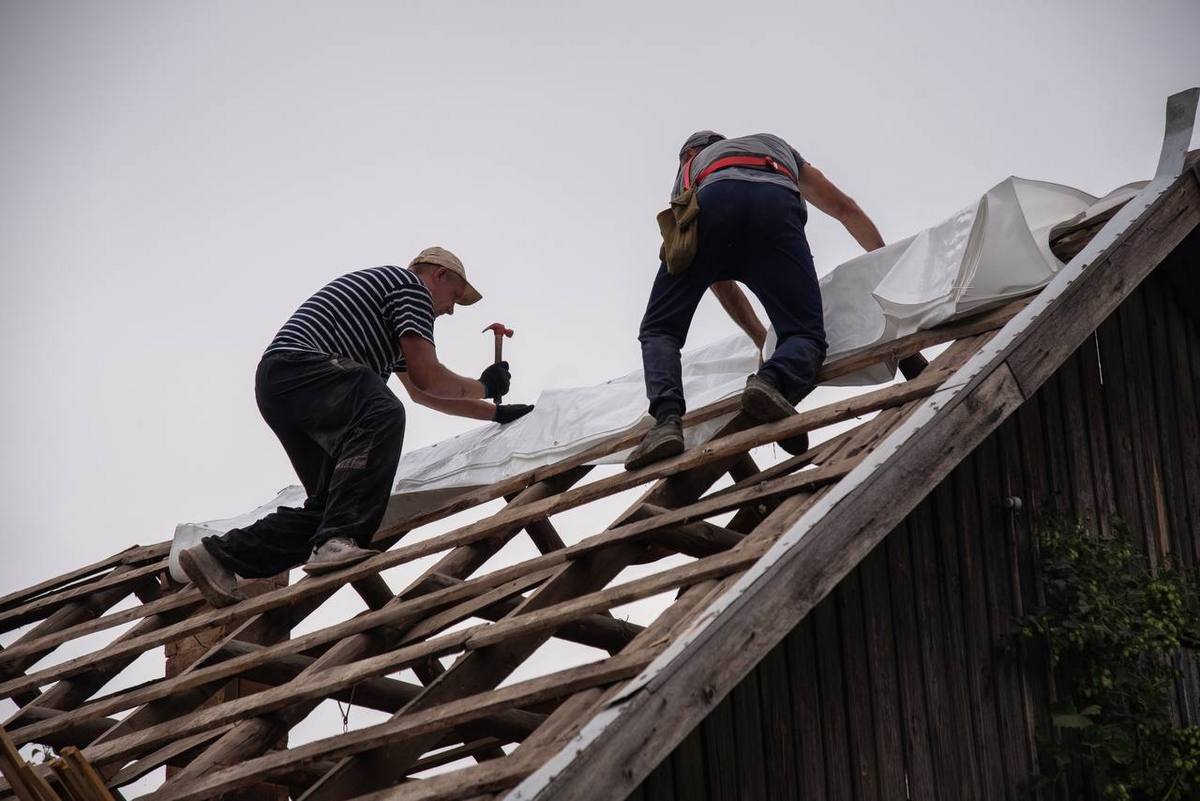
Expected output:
(1063, 498)
(1169, 428)
(1073, 435)
(342, 678)
(924, 779)
(1005, 702)
(857, 677)
(945, 688)
(748, 734)
(839, 781)
(164, 755)
(1119, 417)
(125, 576)
(71, 693)
(715, 451)
(598, 630)
(779, 760)
(130, 556)
(687, 764)
(416, 724)
(86, 775)
(720, 753)
(884, 683)
(1147, 470)
(660, 784)
(1095, 430)
(961, 530)
(1184, 350)
(461, 785)
(807, 745)
(414, 609)
(11, 767)
(1029, 668)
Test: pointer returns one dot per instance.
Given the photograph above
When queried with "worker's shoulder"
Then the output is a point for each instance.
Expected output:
(761, 138)
(396, 275)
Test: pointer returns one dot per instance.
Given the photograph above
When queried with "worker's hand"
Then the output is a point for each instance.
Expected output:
(507, 412)
(495, 380)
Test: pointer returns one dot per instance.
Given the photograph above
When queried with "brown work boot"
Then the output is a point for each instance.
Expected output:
(216, 582)
(661, 442)
(764, 403)
(334, 554)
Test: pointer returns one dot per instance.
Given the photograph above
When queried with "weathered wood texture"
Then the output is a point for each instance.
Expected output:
(900, 683)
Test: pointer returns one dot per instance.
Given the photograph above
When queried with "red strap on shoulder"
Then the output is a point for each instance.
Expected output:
(758, 162)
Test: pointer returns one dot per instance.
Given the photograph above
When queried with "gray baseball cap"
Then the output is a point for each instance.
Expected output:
(700, 139)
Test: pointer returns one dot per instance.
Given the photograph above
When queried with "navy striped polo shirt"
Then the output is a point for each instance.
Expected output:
(361, 316)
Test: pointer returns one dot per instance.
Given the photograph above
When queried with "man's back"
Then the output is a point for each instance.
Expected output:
(361, 316)
(762, 144)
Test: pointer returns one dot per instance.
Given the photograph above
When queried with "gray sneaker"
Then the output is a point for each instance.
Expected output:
(216, 582)
(334, 554)
(763, 403)
(661, 442)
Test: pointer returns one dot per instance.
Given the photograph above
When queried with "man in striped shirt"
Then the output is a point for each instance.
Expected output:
(321, 387)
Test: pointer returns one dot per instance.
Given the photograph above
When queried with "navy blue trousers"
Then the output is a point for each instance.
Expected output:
(750, 232)
(342, 429)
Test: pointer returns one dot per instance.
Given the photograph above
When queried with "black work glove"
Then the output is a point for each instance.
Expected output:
(495, 380)
(507, 412)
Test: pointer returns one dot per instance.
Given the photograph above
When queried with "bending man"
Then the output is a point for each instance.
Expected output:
(321, 387)
(752, 193)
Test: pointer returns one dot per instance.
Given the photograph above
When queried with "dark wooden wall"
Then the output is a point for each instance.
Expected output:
(899, 684)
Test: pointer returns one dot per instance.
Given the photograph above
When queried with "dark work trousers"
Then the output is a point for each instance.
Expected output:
(342, 428)
(751, 232)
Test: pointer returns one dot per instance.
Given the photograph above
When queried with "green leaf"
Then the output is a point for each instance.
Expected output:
(1070, 720)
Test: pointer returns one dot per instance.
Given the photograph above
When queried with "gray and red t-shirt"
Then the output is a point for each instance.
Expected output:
(361, 316)
(762, 144)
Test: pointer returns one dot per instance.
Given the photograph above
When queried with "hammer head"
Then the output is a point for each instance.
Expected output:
(499, 330)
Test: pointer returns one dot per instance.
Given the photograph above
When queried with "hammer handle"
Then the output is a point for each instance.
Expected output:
(499, 347)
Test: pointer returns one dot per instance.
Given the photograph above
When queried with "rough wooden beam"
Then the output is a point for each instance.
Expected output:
(416, 725)
(721, 449)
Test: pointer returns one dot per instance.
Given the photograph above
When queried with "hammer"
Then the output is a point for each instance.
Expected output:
(500, 331)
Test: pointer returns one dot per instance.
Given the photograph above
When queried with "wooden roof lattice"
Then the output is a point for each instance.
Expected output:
(464, 626)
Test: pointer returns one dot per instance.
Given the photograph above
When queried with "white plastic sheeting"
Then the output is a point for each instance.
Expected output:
(994, 249)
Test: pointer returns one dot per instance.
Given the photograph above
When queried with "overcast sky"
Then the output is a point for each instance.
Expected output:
(175, 178)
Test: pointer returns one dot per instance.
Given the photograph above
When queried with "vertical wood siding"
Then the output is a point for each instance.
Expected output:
(899, 684)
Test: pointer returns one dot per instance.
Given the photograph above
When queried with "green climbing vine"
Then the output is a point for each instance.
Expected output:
(1116, 632)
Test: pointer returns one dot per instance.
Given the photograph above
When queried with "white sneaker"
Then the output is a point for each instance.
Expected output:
(334, 554)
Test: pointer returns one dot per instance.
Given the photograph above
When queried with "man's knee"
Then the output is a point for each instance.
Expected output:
(661, 336)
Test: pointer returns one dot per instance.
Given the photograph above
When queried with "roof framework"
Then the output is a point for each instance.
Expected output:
(464, 626)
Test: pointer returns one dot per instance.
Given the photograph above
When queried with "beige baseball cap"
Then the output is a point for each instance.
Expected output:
(441, 257)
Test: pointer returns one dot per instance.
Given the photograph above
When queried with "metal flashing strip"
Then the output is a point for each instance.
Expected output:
(543, 784)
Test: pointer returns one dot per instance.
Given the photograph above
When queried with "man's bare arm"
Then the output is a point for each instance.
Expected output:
(459, 407)
(431, 376)
(738, 307)
(820, 191)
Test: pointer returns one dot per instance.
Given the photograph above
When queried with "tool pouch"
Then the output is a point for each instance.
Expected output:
(679, 225)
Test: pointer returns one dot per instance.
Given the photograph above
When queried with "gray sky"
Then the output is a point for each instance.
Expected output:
(175, 178)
